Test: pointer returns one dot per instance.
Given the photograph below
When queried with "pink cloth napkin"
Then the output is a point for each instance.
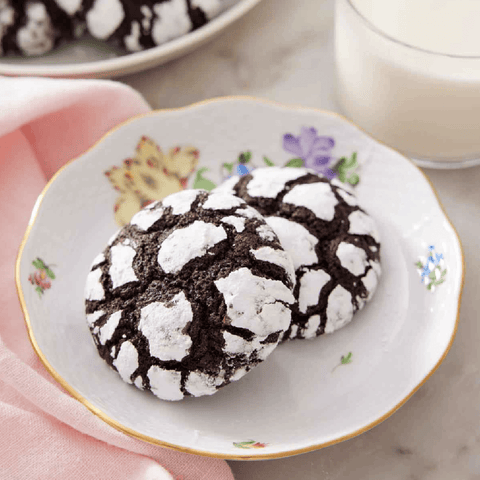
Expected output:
(45, 433)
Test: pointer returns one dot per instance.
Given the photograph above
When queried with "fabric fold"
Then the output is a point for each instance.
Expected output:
(44, 432)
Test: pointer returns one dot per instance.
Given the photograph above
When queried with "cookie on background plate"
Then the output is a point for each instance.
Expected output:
(333, 242)
(191, 295)
(136, 25)
(35, 27)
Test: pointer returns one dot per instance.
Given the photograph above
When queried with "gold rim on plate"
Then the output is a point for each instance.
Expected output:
(160, 443)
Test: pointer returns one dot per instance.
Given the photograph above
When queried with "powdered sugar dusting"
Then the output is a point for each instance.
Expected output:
(311, 285)
(296, 240)
(127, 361)
(311, 327)
(339, 309)
(180, 202)
(187, 243)
(163, 325)
(277, 257)
(249, 212)
(348, 197)
(37, 35)
(93, 317)
(93, 287)
(132, 41)
(104, 18)
(70, 6)
(171, 22)
(7, 18)
(362, 224)
(165, 383)
(227, 185)
(370, 280)
(121, 270)
(199, 383)
(266, 232)
(269, 182)
(317, 197)
(98, 259)
(109, 328)
(145, 218)
(254, 302)
(352, 258)
(211, 8)
(222, 201)
(237, 222)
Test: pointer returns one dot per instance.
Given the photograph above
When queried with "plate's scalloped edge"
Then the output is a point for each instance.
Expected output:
(225, 456)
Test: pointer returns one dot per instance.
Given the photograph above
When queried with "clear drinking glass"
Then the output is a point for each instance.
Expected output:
(421, 102)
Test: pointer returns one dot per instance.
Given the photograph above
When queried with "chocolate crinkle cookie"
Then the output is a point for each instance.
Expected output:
(137, 25)
(35, 27)
(191, 295)
(333, 242)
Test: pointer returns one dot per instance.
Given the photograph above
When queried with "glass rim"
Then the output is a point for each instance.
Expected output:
(385, 35)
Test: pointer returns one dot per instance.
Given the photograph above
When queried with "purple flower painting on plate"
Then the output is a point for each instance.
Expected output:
(313, 149)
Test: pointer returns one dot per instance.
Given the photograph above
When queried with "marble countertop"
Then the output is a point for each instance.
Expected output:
(283, 50)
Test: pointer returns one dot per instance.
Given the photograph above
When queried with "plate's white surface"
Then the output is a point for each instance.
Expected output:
(302, 397)
(92, 59)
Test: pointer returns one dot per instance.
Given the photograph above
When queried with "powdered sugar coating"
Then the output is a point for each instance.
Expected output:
(171, 21)
(145, 218)
(331, 240)
(106, 332)
(35, 27)
(370, 280)
(132, 41)
(296, 240)
(307, 196)
(236, 222)
(70, 6)
(188, 243)
(266, 232)
(339, 309)
(163, 326)
(211, 8)
(127, 361)
(104, 18)
(352, 258)
(362, 224)
(181, 202)
(37, 36)
(348, 197)
(255, 303)
(93, 317)
(93, 288)
(121, 269)
(165, 384)
(221, 201)
(311, 284)
(7, 19)
(278, 257)
(269, 182)
(311, 327)
(199, 383)
(98, 259)
(227, 185)
(210, 301)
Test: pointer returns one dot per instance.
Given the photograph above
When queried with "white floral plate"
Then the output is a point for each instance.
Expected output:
(307, 394)
(94, 59)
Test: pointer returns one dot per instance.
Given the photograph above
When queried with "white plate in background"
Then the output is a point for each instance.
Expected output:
(89, 58)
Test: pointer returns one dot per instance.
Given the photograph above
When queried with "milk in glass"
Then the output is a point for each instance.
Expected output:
(409, 74)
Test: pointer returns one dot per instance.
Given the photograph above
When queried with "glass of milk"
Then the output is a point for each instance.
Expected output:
(408, 72)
